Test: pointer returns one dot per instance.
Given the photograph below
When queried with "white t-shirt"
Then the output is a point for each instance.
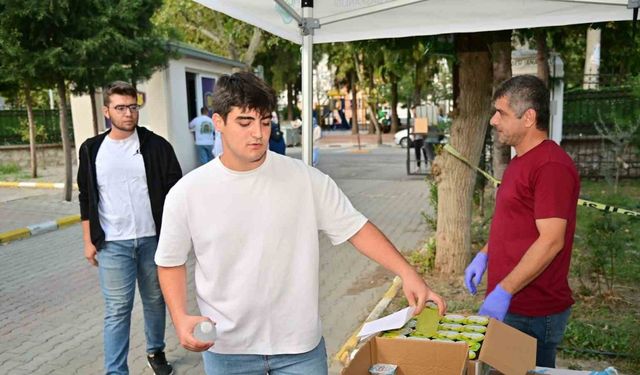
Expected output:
(124, 207)
(255, 238)
(202, 126)
(217, 144)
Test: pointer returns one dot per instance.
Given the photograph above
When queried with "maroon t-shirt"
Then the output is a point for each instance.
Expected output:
(543, 183)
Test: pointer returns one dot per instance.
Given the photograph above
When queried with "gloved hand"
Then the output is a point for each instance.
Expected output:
(496, 304)
(475, 270)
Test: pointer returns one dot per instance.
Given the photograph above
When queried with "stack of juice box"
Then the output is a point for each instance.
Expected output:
(449, 328)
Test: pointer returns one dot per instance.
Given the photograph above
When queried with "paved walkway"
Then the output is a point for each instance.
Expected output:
(51, 308)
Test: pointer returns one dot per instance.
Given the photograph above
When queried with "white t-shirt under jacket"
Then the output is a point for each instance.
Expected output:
(124, 207)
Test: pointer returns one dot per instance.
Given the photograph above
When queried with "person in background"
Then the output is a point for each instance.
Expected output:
(257, 258)
(202, 127)
(317, 135)
(276, 139)
(534, 222)
(418, 143)
(124, 176)
(217, 144)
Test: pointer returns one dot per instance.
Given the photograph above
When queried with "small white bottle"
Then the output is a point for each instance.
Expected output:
(205, 331)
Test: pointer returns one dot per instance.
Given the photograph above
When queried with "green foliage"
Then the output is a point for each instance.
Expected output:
(607, 326)
(621, 133)
(87, 42)
(41, 132)
(606, 240)
(14, 129)
(424, 260)
(619, 52)
(635, 86)
(432, 218)
(281, 60)
(605, 253)
(585, 109)
(604, 331)
(197, 25)
(15, 99)
(6, 169)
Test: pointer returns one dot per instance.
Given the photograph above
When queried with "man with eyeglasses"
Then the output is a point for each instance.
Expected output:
(124, 176)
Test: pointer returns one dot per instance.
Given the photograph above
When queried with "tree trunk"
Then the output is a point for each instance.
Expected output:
(290, 101)
(592, 60)
(32, 132)
(355, 128)
(94, 109)
(395, 121)
(254, 45)
(64, 134)
(454, 178)
(374, 121)
(417, 87)
(501, 57)
(542, 56)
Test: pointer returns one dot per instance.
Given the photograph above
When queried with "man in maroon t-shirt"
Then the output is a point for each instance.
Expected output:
(532, 230)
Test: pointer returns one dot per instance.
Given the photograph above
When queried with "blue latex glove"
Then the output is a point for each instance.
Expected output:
(475, 270)
(496, 304)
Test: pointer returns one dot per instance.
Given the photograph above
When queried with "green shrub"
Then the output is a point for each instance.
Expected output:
(9, 169)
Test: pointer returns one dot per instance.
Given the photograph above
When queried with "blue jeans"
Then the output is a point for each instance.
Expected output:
(205, 153)
(548, 330)
(313, 362)
(120, 263)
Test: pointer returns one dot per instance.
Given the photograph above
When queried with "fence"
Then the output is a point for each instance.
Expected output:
(585, 109)
(594, 157)
(15, 131)
(584, 112)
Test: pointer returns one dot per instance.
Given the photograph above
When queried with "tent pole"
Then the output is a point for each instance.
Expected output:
(307, 85)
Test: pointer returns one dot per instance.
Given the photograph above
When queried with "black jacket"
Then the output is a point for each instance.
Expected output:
(161, 166)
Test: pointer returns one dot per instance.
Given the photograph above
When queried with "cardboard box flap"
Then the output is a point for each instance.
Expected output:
(508, 350)
(415, 357)
(363, 359)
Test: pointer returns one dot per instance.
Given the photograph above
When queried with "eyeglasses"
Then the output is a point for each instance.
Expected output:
(122, 109)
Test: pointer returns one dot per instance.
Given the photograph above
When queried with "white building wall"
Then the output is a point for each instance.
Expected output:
(166, 109)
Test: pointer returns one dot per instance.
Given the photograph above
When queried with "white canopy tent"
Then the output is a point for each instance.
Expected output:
(307, 22)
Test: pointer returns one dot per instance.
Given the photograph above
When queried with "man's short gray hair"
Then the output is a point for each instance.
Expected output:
(526, 92)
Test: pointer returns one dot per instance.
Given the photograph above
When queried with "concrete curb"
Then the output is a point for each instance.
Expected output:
(344, 354)
(35, 185)
(40, 228)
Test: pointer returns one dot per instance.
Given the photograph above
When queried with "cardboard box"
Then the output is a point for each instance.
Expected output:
(413, 357)
(561, 371)
(421, 125)
(504, 348)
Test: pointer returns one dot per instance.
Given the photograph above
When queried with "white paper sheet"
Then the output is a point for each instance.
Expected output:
(393, 321)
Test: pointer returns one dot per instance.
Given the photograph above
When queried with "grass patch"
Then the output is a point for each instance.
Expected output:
(12, 172)
(605, 277)
(6, 169)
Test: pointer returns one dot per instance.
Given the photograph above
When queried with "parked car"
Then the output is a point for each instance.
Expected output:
(403, 138)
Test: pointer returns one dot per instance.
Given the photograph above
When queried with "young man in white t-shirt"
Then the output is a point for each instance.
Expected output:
(257, 257)
(202, 128)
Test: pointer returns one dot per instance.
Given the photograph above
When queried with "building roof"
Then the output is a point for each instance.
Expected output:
(191, 51)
